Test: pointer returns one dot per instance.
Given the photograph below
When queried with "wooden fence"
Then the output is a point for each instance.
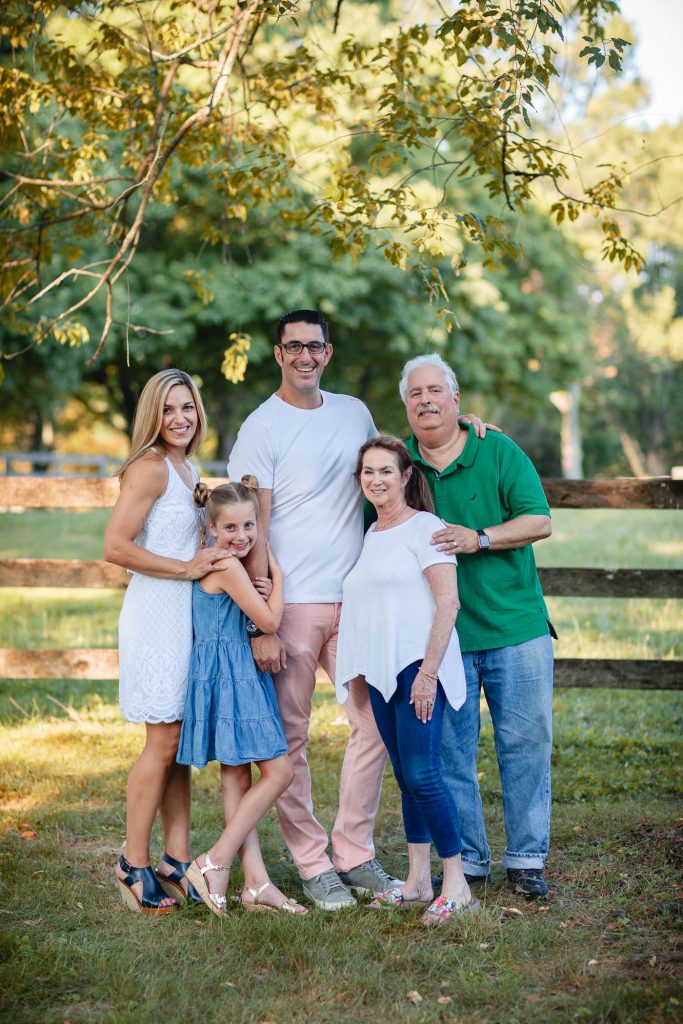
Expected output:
(78, 493)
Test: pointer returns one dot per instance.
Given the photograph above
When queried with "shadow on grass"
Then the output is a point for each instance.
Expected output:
(603, 948)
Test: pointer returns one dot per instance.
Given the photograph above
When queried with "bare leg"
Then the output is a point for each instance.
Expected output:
(145, 792)
(175, 811)
(175, 816)
(276, 775)
(418, 884)
(455, 886)
(235, 784)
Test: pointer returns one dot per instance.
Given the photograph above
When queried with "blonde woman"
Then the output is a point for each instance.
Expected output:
(154, 532)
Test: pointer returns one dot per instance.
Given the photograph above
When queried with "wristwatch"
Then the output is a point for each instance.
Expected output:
(253, 630)
(484, 540)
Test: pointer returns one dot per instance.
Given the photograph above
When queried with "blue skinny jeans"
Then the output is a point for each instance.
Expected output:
(429, 810)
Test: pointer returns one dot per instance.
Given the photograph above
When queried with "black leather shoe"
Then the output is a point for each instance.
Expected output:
(172, 884)
(528, 882)
(151, 901)
(474, 881)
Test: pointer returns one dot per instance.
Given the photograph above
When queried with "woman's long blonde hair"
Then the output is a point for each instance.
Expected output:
(149, 414)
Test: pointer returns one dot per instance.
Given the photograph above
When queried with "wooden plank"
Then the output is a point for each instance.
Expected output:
(61, 572)
(563, 582)
(102, 664)
(58, 491)
(71, 664)
(93, 492)
(65, 491)
(621, 492)
(614, 673)
(557, 582)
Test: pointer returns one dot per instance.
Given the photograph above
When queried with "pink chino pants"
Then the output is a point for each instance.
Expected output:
(309, 633)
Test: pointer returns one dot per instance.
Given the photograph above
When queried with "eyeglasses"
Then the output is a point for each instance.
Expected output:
(295, 348)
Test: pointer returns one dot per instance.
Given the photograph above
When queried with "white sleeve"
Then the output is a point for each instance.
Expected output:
(253, 453)
(425, 551)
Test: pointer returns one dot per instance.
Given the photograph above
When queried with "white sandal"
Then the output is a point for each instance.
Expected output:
(217, 902)
(288, 906)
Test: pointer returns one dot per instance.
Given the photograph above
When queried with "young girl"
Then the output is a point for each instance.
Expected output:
(231, 712)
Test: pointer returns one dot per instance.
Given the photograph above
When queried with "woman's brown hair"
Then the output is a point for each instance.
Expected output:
(418, 495)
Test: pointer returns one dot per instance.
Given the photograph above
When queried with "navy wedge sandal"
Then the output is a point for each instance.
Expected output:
(173, 884)
(152, 892)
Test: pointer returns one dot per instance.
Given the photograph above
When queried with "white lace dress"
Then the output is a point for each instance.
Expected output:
(155, 626)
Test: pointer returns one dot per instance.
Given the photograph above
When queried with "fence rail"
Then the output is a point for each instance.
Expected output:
(78, 492)
(56, 463)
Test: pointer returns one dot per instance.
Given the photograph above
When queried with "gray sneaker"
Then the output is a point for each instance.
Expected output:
(327, 891)
(369, 879)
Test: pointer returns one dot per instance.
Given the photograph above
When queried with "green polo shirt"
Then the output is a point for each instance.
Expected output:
(491, 482)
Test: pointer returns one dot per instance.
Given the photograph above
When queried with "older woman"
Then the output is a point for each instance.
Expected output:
(397, 631)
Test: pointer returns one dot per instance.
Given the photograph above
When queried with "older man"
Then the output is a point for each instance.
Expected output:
(491, 500)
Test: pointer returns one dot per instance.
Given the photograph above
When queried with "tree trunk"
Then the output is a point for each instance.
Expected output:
(570, 437)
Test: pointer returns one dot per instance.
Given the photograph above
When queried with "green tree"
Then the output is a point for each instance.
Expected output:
(108, 105)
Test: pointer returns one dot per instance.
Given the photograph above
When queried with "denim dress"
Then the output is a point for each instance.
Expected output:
(231, 712)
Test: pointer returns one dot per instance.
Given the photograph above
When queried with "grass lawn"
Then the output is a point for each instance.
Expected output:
(603, 949)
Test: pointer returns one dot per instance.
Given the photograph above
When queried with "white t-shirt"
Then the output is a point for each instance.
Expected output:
(388, 611)
(307, 458)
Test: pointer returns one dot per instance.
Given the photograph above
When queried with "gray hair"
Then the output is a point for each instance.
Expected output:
(433, 359)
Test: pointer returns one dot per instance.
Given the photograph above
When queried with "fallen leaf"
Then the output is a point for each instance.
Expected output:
(512, 910)
(484, 945)
(444, 1000)
(413, 997)
(29, 834)
(592, 963)
(652, 961)
(35, 920)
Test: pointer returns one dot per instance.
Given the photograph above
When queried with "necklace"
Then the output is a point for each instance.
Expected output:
(181, 467)
(392, 519)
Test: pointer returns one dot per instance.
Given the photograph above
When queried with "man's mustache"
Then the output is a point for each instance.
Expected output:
(427, 407)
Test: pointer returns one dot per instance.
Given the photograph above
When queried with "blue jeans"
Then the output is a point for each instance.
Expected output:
(518, 686)
(429, 810)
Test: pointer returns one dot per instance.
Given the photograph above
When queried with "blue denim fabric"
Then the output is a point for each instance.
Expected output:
(518, 686)
(429, 811)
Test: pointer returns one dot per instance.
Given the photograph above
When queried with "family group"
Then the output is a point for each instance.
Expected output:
(239, 593)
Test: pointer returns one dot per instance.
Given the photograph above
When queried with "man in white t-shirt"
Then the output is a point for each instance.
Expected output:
(301, 445)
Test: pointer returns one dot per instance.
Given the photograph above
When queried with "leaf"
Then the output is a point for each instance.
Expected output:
(414, 997)
(235, 358)
(614, 60)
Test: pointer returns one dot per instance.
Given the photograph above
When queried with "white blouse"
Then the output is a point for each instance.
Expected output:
(388, 609)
